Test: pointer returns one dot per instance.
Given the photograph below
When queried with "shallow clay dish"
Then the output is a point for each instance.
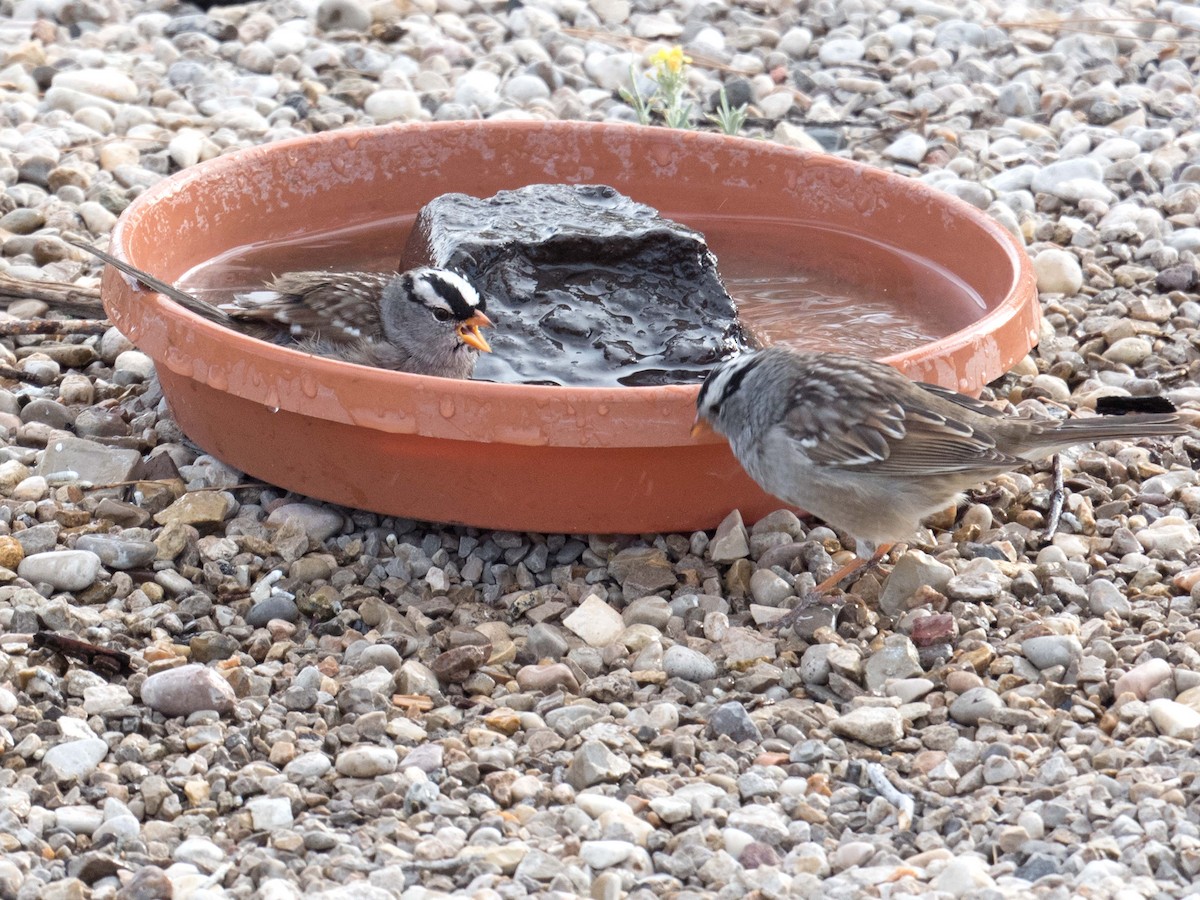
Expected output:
(539, 458)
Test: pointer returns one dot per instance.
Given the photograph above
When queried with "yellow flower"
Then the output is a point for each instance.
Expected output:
(671, 59)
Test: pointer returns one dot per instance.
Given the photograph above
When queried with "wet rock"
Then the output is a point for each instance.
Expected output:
(569, 269)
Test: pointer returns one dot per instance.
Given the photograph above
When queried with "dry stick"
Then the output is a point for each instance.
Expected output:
(1072, 26)
(71, 297)
(40, 380)
(54, 326)
(99, 659)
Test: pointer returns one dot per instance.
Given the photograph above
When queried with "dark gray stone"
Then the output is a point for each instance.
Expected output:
(732, 719)
(591, 287)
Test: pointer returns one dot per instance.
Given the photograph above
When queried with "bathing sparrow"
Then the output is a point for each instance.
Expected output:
(856, 443)
(424, 321)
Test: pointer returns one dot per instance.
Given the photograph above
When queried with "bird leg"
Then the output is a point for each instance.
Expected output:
(857, 566)
(1057, 496)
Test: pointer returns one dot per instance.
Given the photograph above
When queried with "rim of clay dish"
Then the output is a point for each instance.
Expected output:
(286, 378)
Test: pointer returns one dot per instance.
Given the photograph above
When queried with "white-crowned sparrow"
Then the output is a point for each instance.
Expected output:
(859, 445)
(424, 321)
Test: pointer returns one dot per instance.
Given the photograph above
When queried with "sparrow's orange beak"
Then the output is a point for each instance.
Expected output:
(701, 428)
(468, 332)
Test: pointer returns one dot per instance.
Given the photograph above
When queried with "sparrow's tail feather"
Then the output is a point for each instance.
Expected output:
(186, 300)
(1044, 441)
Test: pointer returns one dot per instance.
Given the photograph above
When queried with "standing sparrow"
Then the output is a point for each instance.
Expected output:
(424, 321)
(856, 443)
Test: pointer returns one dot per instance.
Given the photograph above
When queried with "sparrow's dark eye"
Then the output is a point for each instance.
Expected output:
(442, 315)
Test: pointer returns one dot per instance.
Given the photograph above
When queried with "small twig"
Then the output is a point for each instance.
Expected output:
(40, 380)
(54, 326)
(71, 297)
(1057, 496)
(904, 804)
(246, 485)
(1073, 26)
(99, 659)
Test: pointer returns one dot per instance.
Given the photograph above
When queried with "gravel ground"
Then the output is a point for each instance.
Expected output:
(382, 708)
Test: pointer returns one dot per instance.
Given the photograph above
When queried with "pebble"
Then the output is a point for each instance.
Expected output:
(597, 623)
(1058, 272)
(74, 760)
(897, 659)
(909, 148)
(690, 665)
(1170, 534)
(392, 105)
(914, 570)
(116, 552)
(1051, 650)
(964, 876)
(270, 813)
(631, 695)
(840, 51)
(976, 705)
(593, 763)
(769, 589)
(1175, 720)
(107, 83)
(732, 719)
(187, 689)
(318, 522)
(874, 726)
(1143, 678)
(1130, 351)
(366, 761)
(731, 541)
(63, 570)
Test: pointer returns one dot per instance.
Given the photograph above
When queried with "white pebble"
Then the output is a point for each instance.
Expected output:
(1058, 272)
(393, 104)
